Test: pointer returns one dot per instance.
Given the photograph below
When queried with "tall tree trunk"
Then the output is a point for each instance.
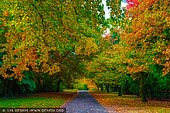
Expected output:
(39, 82)
(5, 87)
(98, 88)
(119, 91)
(10, 88)
(142, 89)
(107, 87)
(58, 86)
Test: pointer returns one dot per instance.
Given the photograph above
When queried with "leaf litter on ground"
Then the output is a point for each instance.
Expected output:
(131, 103)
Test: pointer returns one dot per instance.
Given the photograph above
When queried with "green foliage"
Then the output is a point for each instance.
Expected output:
(82, 87)
(27, 84)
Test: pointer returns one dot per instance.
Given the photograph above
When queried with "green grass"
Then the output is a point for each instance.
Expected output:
(31, 102)
(40, 100)
(70, 90)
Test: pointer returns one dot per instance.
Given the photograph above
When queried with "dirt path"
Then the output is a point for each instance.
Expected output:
(84, 103)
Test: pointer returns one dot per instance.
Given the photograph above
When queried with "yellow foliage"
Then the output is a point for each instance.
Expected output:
(89, 82)
(86, 46)
(145, 36)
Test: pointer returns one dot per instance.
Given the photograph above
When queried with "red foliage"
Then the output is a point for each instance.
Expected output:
(132, 3)
(140, 5)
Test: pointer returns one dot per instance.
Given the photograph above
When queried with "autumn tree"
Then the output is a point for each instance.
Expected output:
(41, 35)
(146, 39)
(144, 42)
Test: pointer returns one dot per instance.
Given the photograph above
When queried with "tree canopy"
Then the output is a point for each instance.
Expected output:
(44, 42)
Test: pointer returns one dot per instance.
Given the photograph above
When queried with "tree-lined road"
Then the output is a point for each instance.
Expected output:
(84, 103)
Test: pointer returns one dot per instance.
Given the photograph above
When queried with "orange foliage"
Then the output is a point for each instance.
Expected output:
(107, 37)
(6, 13)
(145, 36)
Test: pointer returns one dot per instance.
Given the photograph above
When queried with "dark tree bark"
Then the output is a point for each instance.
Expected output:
(58, 85)
(142, 86)
(142, 90)
(107, 87)
(12, 88)
(119, 91)
(5, 88)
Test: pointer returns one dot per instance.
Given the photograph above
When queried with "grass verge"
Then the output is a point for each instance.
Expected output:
(39, 100)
